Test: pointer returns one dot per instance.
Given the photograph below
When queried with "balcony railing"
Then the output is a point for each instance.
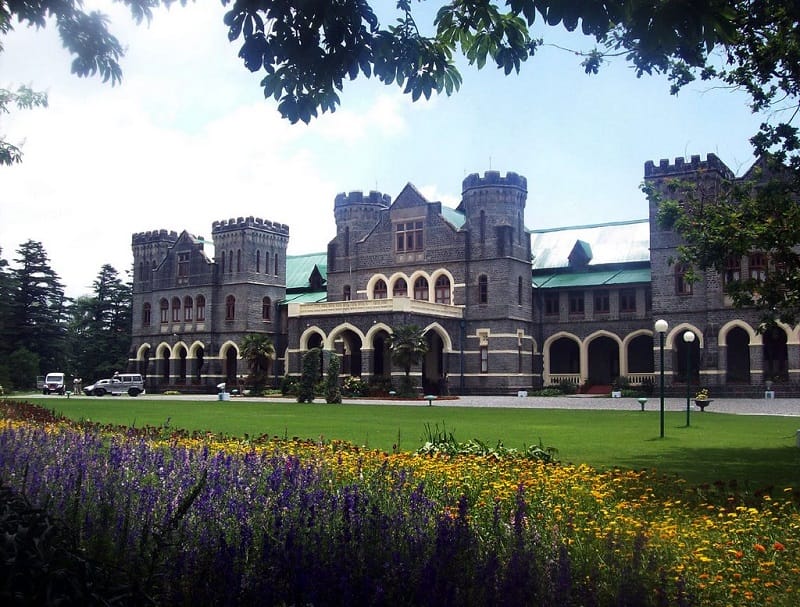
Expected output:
(363, 306)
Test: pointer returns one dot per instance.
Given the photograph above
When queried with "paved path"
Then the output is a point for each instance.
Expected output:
(739, 406)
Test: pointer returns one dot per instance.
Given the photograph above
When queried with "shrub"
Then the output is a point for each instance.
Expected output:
(379, 386)
(310, 376)
(289, 385)
(354, 386)
(567, 387)
(332, 392)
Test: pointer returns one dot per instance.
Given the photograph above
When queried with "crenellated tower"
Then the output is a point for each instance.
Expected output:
(250, 248)
(356, 215)
(149, 251)
(494, 208)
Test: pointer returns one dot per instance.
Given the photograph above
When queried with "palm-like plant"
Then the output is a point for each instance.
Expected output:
(259, 351)
(407, 347)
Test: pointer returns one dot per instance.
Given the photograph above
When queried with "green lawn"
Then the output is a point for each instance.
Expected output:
(757, 451)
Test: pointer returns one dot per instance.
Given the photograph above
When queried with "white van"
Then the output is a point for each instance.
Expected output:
(54, 382)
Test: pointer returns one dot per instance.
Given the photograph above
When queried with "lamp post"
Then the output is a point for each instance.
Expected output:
(661, 329)
(688, 337)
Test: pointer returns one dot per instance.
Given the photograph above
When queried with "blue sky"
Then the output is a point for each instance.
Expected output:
(188, 139)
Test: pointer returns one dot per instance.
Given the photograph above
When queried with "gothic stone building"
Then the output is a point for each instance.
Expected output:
(504, 308)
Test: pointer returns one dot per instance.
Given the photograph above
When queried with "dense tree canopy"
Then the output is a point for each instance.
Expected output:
(307, 49)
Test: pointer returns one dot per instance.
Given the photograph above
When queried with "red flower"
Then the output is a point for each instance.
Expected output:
(778, 546)
(759, 548)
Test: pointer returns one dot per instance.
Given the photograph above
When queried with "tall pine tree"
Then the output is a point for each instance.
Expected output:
(37, 310)
(100, 327)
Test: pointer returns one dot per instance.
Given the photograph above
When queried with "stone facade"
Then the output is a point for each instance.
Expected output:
(504, 308)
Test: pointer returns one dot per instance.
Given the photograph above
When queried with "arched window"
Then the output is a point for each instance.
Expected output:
(230, 261)
(266, 309)
(258, 261)
(379, 291)
(238, 260)
(400, 288)
(141, 270)
(442, 290)
(519, 290)
(146, 315)
(346, 295)
(164, 305)
(483, 289)
(230, 307)
(188, 306)
(176, 309)
(276, 264)
(222, 265)
(201, 308)
(421, 288)
(482, 227)
(682, 285)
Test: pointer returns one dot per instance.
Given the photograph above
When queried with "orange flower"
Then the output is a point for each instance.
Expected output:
(778, 546)
(759, 548)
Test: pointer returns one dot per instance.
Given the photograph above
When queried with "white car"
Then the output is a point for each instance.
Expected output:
(105, 386)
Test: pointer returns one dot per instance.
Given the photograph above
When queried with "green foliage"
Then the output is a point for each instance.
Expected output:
(259, 352)
(379, 386)
(439, 441)
(24, 98)
(99, 331)
(567, 387)
(333, 393)
(289, 385)
(354, 386)
(407, 347)
(23, 367)
(310, 376)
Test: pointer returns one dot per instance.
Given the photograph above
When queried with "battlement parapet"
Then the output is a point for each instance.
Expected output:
(494, 179)
(358, 198)
(682, 167)
(229, 225)
(155, 236)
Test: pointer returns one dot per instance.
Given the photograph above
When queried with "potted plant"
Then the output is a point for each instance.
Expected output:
(701, 399)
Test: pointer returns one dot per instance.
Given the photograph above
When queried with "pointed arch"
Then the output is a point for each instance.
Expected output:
(306, 335)
(142, 350)
(676, 333)
(369, 338)
(755, 338)
(338, 330)
(441, 332)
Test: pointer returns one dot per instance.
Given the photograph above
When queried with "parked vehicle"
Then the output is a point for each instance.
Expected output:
(121, 383)
(103, 387)
(54, 382)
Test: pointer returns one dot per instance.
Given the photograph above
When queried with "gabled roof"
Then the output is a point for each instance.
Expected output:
(299, 269)
(408, 197)
(608, 243)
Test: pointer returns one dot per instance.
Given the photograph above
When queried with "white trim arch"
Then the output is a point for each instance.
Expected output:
(223, 349)
(306, 335)
(393, 280)
(755, 338)
(338, 330)
(432, 286)
(626, 341)
(160, 350)
(447, 343)
(584, 351)
(194, 347)
(548, 343)
(369, 339)
(371, 285)
(677, 333)
(177, 347)
(413, 280)
(142, 349)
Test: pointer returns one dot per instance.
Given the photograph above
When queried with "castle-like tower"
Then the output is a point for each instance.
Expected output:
(498, 246)
(356, 215)
(149, 250)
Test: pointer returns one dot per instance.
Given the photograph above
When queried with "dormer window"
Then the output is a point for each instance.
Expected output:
(581, 254)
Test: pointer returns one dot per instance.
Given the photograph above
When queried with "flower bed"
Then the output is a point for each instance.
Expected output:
(212, 520)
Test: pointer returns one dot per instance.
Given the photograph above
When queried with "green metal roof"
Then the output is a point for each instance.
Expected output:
(300, 267)
(309, 297)
(618, 242)
(457, 218)
(568, 280)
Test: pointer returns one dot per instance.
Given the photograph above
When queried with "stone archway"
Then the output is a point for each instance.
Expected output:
(348, 345)
(776, 355)
(603, 360)
(737, 350)
(433, 371)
